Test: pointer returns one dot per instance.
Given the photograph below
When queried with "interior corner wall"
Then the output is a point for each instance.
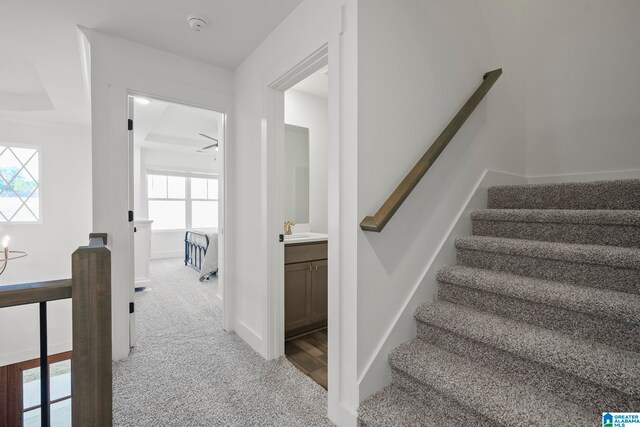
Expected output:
(312, 112)
(583, 87)
(311, 25)
(117, 67)
(305, 26)
(418, 63)
(65, 194)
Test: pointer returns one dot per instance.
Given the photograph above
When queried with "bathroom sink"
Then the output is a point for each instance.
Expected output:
(305, 237)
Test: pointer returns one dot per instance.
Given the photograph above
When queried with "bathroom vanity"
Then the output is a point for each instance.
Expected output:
(305, 283)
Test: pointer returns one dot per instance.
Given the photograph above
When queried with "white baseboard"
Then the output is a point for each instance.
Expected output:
(167, 254)
(585, 176)
(342, 416)
(377, 373)
(249, 336)
(219, 302)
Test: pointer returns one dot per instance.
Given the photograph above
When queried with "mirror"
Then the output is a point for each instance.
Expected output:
(296, 161)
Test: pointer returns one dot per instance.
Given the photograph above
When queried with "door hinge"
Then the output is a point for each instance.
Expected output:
(132, 307)
(130, 124)
(281, 238)
(130, 216)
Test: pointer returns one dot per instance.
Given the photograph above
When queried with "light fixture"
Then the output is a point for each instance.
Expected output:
(9, 255)
(141, 101)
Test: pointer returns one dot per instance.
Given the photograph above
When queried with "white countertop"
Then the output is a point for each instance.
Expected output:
(307, 237)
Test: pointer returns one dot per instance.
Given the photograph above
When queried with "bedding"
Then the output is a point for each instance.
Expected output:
(210, 263)
(201, 253)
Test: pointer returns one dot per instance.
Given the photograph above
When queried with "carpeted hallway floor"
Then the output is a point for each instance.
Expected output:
(186, 371)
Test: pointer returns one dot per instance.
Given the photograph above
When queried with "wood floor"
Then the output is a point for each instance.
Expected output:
(309, 354)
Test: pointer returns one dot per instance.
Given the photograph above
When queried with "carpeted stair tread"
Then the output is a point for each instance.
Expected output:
(619, 306)
(590, 227)
(604, 365)
(487, 392)
(560, 216)
(618, 194)
(394, 406)
(579, 253)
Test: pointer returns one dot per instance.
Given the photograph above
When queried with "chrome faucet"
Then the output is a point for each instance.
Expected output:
(287, 227)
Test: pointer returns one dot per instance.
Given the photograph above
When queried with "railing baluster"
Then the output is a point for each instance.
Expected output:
(44, 368)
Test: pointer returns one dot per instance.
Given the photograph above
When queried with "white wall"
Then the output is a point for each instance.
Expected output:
(117, 67)
(66, 223)
(312, 112)
(309, 27)
(583, 87)
(435, 54)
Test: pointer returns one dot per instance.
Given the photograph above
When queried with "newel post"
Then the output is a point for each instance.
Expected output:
(91, 376)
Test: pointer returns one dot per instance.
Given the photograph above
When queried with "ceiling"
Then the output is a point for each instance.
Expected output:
(167, 126)
(40, 58)
(317, 84)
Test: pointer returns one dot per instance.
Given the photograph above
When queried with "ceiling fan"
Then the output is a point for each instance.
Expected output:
(215, 145)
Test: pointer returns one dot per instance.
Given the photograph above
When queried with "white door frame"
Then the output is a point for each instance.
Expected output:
(223, 169)
(275, 195)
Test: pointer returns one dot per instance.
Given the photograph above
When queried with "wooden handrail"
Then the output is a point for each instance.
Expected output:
(90, 291)
(32, 293)
(390, 206)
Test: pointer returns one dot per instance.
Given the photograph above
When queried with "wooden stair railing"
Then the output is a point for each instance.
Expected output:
(90, 291)
(390, 206)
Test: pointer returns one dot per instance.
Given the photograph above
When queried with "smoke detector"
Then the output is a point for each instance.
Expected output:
(197, 23)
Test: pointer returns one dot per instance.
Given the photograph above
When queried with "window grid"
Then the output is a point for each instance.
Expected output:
(17, 168)
(211, 192)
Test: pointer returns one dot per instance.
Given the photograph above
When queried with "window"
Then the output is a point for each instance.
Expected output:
(180, 201)
(19, 184)
(22, 382)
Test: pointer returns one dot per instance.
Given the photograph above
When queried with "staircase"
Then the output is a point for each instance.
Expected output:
(538, 324)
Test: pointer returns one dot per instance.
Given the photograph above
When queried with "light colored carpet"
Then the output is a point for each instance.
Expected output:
(187, 371)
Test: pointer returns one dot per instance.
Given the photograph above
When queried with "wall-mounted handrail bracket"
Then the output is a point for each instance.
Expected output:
(390, 206)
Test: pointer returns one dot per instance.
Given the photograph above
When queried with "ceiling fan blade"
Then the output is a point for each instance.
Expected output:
(208, 137)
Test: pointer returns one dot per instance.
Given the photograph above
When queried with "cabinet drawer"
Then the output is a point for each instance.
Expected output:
(304, 252)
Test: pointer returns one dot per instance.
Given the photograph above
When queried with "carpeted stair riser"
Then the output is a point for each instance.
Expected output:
(613, 235)
(606, 331)
(594, 275)
(564, 385)
(599, 363)
(622, 194)
(403, 403)
(603, 303)
(498, 398)
(423, 393)
(394, 406)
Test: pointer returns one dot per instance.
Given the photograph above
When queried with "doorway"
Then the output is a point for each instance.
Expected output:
(176, 199)
(306, 118)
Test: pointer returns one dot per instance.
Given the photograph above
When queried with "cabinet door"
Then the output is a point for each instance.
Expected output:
(297, 295)
(319, 291)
